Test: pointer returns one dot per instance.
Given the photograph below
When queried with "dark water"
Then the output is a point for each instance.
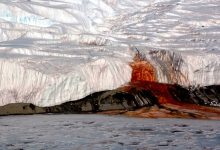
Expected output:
(69, 132)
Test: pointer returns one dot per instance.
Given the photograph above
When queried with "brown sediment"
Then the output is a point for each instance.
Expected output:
(171, 111)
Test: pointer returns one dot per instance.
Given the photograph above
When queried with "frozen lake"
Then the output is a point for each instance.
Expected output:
(69, 132)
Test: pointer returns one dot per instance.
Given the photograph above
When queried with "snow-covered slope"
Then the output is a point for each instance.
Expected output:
(57, 51)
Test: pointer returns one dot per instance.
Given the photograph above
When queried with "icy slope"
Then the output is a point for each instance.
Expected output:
(57, 51)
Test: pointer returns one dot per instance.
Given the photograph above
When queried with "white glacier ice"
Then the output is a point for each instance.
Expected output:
(52, 52)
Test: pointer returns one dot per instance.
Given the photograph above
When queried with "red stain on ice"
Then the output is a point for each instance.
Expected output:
(144, 77)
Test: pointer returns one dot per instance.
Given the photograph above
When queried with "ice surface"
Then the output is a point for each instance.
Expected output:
(52, 52)
(67, 132)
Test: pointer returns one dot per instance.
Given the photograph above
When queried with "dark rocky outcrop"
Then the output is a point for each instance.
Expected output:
(207, 95)
(128, 98)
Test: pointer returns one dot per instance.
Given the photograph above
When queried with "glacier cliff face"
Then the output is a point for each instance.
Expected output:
(19, 84)
(52, 52)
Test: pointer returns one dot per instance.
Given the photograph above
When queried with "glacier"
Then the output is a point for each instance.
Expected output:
(52, 52)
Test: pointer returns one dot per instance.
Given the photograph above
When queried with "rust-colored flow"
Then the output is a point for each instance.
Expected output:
(143, 71)
(144, 77)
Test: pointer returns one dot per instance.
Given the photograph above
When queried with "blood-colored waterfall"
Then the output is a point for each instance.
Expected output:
(169, 96)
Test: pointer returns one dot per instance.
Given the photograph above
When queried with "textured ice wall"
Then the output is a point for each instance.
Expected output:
(19, 84)
(184, 67)
(56, 51)
(50, 53)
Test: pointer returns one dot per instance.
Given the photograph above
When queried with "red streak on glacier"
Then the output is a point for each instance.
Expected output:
(144, 77)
